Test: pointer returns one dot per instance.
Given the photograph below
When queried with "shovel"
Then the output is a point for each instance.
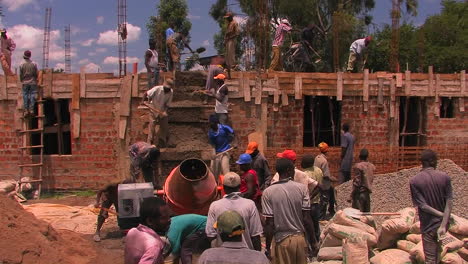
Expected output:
(355, 213)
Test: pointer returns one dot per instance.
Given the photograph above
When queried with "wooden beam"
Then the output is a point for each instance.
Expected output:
(49, 77)
(430, 90)
(246, 88)
(407, 83)
(76, 125)
(122, 127)
(365, 90)
(258, 90)
(437, 103)
(392, 97)
(339, 87)
(82, 82)
(399, 80)
(76, 91)
(461, 101)
(298, 88)
(125, 96)
(284, 98)
(380, 92)
(135, 85)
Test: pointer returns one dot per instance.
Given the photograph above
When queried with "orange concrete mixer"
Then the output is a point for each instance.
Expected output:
(190, 188)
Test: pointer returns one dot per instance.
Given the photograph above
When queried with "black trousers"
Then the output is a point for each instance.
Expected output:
(315, 215)
(196, 243)
(361, 201)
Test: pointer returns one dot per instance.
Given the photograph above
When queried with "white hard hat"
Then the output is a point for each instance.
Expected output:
(285, 21)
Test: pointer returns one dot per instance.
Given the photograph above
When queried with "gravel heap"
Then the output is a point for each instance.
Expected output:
(391, 191)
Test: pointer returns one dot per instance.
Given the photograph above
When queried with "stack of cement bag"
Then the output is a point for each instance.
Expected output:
(405, 234)
(355, 241)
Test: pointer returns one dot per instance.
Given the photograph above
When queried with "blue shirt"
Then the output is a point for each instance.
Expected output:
(183, 226)
(222, 138)
(169, 32)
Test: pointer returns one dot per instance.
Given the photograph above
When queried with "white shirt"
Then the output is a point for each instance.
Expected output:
(358, 46)
(159, 98)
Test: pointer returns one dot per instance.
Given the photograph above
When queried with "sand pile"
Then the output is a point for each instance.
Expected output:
(391, 191)
(25, 239)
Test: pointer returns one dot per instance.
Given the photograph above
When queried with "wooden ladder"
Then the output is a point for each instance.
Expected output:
(26, 146)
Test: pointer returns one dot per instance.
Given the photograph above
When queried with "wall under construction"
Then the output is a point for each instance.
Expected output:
(280, 110)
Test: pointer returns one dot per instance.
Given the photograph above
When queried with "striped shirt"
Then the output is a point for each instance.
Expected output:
(28, 72)
(279, 34)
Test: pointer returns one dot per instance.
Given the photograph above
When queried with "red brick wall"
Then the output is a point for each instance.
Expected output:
(9, 141)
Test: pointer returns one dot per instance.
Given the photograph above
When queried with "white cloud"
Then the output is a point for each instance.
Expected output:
(110, 37)
(74, 30)
(193, 17)
(88, 42)
(14, 5)
(101, 50)
(30, 38)
(206, 43)
(83, 61)
(59, 66)
(91, 67)
(115, 60)
(100, 19)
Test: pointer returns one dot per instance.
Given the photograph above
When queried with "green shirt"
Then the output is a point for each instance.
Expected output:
(183, 226)
(315, 173)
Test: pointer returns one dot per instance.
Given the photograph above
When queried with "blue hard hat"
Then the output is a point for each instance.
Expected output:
(244, 159)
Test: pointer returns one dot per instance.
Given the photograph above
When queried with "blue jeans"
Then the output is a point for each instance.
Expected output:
(29, 96)
(153, 78)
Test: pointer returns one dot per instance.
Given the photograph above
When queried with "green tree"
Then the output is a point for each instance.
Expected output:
(170, 13)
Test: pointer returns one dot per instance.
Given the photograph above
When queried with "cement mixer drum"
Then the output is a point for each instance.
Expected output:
(190, 188)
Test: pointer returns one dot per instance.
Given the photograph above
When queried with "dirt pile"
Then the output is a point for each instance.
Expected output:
(25, 239)
(391, 191)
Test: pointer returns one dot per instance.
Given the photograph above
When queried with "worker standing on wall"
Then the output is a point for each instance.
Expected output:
(214, 69)
(220, 137)
(28, 77)
(161, 98)
(7, 47)
(230, 38)
(173, 49)
(142, 155)
(276, 61)
(363, 177)
(151, 63)
(357, 52)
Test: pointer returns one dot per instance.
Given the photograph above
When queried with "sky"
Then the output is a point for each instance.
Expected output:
(93, 29)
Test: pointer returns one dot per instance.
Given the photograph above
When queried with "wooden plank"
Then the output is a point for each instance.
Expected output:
(339, 87)
(246, 88)
(125, 96)
(399, 80)
(380, 92)
(76, 91)
(76, 126)
(284, 98)
(461, 101)
(431, 80)
(258, 91)
(48, 83)
(82, 82)
(392, 109)
(436, 92)
(407, 82)
(392, 90)
(135, 86)
(298, 88)
(276, 97)
(365, 87)
(122, 127)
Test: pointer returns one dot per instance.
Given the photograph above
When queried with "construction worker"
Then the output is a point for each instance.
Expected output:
(28, 77)
(249, 187)
(431, 192)
(230, 225)
(143, 243)
(316, 174)
(363, 177)
(105, 198)
(347, 154)
(327, 199)
(220, 137)
(7, 47)
(230, 38)
(161, 98)
(214, 69)
(152, 65)
(142, 155)
(173, 49)
(259, 164)
(276, 61)
(357, 51)
(221, 95)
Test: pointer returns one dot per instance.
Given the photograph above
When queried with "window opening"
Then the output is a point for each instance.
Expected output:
(322, 119)
(446, 108)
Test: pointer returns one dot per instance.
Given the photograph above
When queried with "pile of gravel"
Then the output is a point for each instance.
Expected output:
(391, 191)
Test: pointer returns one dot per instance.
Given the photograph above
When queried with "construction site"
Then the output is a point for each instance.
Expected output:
(78, 138)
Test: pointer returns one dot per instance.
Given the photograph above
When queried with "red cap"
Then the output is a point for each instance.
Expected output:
(287, 154)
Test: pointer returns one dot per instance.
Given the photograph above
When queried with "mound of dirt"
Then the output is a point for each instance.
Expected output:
(25, 239)
(391, 191)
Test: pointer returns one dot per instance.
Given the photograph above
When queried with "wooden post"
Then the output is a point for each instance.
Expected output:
(298, 87)
(82, 82)
(48, 80)
(77, 79)
(392, 98)
(430, 70)
(125, 101)
(339, 86)
(461, 101)
(276, 94)
(135, 85)
(437, 103)
(246, 88)
(258, 90)
(284, 98)
(365, 90)
(407, 83)
(380, 92)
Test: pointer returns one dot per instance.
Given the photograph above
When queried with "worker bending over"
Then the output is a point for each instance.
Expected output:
(357, 52)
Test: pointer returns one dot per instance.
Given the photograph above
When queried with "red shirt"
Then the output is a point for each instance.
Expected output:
(243, 185)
